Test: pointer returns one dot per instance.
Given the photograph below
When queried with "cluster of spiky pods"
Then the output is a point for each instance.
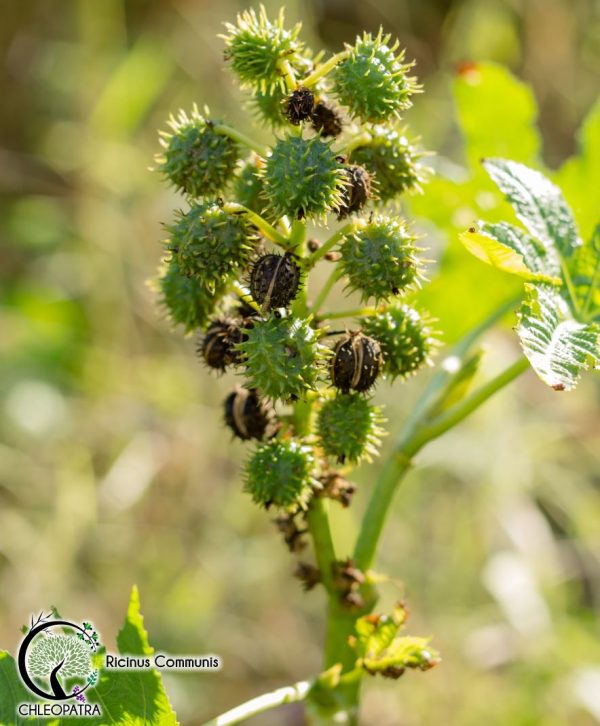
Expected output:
(238, 262)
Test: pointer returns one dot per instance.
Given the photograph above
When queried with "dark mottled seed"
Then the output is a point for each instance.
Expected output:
(326, 120)
(218, 345)
(357, 191)
(356, 363)
(274, 281)
(299, 105)
(248, 416)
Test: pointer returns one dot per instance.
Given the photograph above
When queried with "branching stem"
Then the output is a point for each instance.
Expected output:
(324, 69)
(287, 72)
(411, 441)
(267, 229)
(312, 260)
(324, 292)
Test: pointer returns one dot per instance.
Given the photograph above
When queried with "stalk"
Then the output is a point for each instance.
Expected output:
(324, 69)
(267, 229)
(260, 704)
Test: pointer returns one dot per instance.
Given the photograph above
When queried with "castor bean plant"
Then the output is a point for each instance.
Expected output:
(241, 273)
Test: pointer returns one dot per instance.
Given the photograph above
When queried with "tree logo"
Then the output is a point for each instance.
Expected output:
(55, 659)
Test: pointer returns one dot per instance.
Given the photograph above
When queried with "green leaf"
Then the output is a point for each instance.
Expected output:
(133, 698)
(508, 248)
(555, 343)
(579, 177)
(497, 114)
(130, 698)
(585, 273)
(379, 650)
(13, 692)
(538, 203)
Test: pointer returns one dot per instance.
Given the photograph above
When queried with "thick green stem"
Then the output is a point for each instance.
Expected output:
(411, 441)
(289, 694)
(236, 135)
(318, 524)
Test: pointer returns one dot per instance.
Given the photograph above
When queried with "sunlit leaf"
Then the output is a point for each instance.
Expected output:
(497, 114)
(558, 347)
(585, 273)
(508, 248)
(538, 203)
(579, 177)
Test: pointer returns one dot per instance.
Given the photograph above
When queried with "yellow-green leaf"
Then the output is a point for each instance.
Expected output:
(509, 249)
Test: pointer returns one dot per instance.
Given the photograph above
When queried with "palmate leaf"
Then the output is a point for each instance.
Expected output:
(557, 346)
(512, 250)
(538, 203)
(557, 327)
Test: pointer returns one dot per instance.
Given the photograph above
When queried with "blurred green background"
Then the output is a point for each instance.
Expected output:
(114, 465)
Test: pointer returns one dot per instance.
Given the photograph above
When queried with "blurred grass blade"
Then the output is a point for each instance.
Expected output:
(133, 88)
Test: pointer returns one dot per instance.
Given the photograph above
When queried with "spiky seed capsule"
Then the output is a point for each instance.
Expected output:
(274, 281)
(282, 357)
(349, 428)
(185, 299)
(357, 192)
(256, 46)
(356, 363)
(372, 80)
(218, 344)
(269, 106)
(249, 416)
(280, 473)
(299, 105)
(303, 178)
(210, 243)
(393, 160)
(406, 338)
(196, 159)
(380, 258)
(326, 120)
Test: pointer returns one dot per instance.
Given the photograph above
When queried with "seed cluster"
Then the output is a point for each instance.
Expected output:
(237, 265)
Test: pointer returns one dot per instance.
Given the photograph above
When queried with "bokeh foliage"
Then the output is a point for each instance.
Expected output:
(114, 465)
